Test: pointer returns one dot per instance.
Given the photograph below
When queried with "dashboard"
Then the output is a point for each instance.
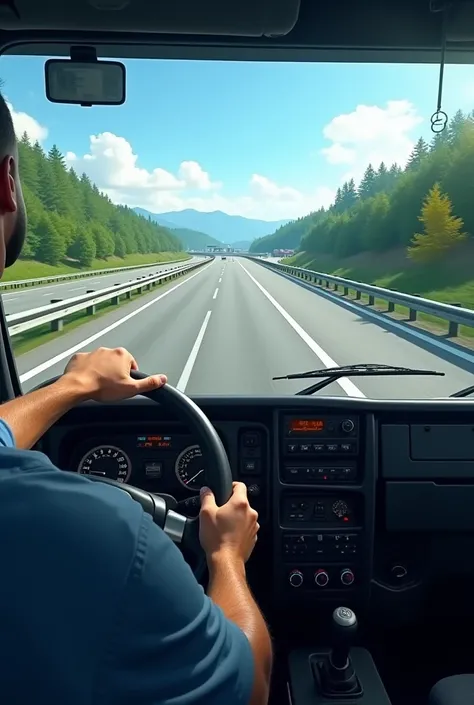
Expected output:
(364, 502)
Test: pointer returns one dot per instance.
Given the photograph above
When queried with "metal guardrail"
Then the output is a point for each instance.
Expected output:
(454, 313)
(21, 283)
(59, 309)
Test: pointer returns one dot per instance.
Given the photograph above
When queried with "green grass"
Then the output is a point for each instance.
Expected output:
(30, 339)
(30, 269)
(449, 281)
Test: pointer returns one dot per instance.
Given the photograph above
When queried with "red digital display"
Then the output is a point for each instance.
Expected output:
(306, 425)
(151, 441)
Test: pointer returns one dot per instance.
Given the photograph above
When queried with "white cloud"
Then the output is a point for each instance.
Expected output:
(113, 166)
(371, 134)
(25, 123)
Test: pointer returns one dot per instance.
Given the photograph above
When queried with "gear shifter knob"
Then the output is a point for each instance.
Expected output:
(335, 675)
(344, 630)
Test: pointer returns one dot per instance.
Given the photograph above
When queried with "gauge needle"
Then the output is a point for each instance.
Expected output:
(194, 476)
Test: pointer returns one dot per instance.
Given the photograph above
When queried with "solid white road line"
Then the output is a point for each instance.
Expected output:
(70, 351)
(190, 362)
(346, 384)
(215, 293)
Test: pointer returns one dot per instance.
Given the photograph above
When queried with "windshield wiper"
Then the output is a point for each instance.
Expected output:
(332, 374)
(466, 392)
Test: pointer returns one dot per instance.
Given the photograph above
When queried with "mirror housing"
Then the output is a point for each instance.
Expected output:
(85, 81)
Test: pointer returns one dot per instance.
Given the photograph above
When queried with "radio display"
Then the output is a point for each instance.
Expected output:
(154, 441)
(307, 425)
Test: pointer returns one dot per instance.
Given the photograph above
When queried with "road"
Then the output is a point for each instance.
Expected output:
(232, 325)
(18, 300)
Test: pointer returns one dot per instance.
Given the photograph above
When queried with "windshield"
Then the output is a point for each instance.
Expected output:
(332, 168)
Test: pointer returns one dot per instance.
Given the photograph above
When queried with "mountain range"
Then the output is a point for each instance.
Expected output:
(197, 229)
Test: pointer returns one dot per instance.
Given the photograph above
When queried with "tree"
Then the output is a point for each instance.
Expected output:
(67, 213)
(381, 224)
(420, 151)
(367, 185)
(442, 230)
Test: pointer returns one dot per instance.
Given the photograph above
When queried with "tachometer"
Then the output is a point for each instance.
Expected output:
(106, 461)
(189, 468)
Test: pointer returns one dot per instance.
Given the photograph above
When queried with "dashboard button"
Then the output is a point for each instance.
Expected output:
(253, 490)
(296, 578)
(153, 470)
(347, 425)
(321, 578)
(250, 466)
(347, 577)
(251, 440)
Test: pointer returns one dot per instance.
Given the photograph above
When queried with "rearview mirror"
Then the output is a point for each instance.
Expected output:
(85, 83)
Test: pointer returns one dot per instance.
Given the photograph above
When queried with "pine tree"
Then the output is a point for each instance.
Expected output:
(442, 230)
(420, 150)
(367, 185)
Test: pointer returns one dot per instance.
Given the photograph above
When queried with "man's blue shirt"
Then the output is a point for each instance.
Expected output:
(97, 605)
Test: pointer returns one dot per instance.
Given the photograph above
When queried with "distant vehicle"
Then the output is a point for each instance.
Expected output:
(223, 257)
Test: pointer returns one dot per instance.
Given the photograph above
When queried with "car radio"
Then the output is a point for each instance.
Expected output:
(315, 449)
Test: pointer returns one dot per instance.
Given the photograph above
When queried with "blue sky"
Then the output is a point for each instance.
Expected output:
(236, 120)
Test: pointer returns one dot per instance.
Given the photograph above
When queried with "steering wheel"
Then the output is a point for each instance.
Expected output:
(161, 507)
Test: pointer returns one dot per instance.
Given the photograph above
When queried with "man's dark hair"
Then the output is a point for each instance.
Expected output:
(7, 131)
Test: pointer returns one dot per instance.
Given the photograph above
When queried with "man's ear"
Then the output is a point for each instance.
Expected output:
(8, 194)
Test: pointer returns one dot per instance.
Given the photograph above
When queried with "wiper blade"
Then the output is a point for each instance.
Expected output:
(466, 392)
(332, 374)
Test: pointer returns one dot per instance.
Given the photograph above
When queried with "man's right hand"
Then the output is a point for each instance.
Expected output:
(230, 530)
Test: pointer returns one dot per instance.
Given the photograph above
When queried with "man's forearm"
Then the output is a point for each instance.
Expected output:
(228, 588)
(30, 416)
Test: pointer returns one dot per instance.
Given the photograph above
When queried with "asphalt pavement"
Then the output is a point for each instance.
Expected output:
(232, 325)
(18, 300)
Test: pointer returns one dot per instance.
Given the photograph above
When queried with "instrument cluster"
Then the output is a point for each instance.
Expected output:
(157, 462)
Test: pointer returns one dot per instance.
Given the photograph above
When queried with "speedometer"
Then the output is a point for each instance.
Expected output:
(189, 468)
(106, 461)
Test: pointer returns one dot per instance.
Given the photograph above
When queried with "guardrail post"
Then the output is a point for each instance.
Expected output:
(412, 312)
(371, 300)
(453, 330)
(91, 310)
(116, 299)
(56, 325)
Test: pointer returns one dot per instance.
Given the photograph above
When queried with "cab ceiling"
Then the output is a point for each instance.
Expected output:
(407, 31)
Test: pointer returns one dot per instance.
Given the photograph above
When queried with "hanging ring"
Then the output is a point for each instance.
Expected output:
(439, 121)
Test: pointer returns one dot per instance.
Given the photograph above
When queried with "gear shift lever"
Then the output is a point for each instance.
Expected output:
(344, 630)
(335, 674)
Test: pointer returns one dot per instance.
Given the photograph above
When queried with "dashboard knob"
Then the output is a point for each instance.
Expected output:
(321, 578)
(296, 578)
(347, 576)
(347, 425)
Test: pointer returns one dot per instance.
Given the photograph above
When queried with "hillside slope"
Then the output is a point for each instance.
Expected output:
(194, 240)
(450, 280)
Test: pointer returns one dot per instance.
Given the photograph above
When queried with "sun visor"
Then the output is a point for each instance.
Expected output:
(460, 25)
(238, 18)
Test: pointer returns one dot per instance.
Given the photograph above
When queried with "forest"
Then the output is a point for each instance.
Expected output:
(70, 219)
(424, 206)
